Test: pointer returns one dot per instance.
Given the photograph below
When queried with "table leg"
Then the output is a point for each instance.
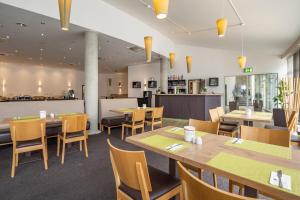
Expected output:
(248, 123)
(126, 129)
(250, 192)
(172, 167)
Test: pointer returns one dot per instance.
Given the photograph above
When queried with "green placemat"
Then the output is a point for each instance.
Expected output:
(66, 114)
(28, 117)
(180, 131)
(269, 149)
(242, 112)
(254, 170)
(163, 142)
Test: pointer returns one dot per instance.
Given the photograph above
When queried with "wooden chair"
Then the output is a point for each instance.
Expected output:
(221, 112)
(223, 129)
(73, 130)
(27, 136)
(269, 136)
(292, 121)
(135, 180)
(209, 127)
(195, 189)
(155, 118)
(137, 122)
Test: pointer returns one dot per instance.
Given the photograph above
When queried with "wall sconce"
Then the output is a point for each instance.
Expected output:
(69, 85)
(145, 85)
(3, 87)
(39, 86)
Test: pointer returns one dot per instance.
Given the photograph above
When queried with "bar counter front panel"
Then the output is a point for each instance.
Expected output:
(188, 106)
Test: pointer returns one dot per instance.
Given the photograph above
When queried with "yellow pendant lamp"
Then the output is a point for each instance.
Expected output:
(242, 60)
(172, 60)
(189, 64)
(161, 8)
(222, 24)
(148, 47)
(65, 11)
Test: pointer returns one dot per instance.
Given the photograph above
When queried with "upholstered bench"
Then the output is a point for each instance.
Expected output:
(112, 122)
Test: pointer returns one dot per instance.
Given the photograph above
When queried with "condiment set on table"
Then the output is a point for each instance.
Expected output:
(190, 135)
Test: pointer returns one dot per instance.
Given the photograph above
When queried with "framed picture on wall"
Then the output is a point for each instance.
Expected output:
(213, 82)
(136, 84)
(152, 84)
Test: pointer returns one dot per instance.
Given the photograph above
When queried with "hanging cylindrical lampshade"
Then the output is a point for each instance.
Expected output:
(148, 47)
(172, 60)
(189, 64)
(222, 26)
(161, 8)
(242, 61)
(65, 11)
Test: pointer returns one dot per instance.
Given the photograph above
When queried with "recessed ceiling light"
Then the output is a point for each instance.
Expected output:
(42, 34)
(41, 49)
(70, 49)
(16, 51)
(21, 24)
(64, 57)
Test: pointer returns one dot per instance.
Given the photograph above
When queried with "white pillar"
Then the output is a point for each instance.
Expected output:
(91, 79)
(164, 64)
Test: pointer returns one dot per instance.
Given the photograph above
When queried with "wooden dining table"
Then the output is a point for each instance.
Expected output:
(245, 164)
(240, 115)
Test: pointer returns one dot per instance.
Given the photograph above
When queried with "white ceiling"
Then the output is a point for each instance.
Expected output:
(271, 25)
(59, 48)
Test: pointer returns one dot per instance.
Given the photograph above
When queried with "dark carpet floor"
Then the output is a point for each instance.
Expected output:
(79, 178)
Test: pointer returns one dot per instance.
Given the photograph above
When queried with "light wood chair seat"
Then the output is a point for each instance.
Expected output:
(137, 122)
(73, 130)
(155, 118)
(136, 180)
(221, 112)
(195, 189)
(27, 136)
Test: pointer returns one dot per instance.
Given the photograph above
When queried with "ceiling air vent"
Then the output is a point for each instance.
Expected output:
(135, 49)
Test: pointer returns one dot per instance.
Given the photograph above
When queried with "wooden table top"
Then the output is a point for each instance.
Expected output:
(199, 155)
(266, 117)
(130, 110)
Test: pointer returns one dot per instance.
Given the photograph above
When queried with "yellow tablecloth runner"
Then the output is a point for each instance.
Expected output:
(162, 142)
(254, 170)
(180, 131)
(26, 117)
(261, 114)
(269, 149)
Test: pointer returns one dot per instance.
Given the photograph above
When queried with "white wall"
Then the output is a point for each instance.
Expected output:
(219, 63)
(25, 78)
(106, 90)
(142, 73)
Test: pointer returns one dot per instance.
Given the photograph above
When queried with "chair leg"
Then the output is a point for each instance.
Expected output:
(58, 146)
(17, 159)
(46, 146)
(63, 153)
(13, 166)
(80, 145)
(123, 132)
(45, 158)
(200, 174)
(152, 127)
(109, 130)
(215, 181)
(86, 149)
(133, 131)
(143, 129)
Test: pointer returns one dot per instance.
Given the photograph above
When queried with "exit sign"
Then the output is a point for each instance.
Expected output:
(248, 70)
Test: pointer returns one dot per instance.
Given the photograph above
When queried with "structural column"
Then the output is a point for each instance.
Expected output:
(164, 64)
(91, 79)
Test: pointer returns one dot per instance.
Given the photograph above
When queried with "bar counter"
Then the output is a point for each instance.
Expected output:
(185, 106)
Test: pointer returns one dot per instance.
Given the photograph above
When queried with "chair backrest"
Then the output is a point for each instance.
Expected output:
(196, 189)
(125, 166)
(205, 126)
(258, 105)
(233, 105)
(138, 115)
(292, 121)
(24, 130)
(214, 115)
(74, 123)
(279, 117)
(269, 136)
(220, 111)
(158, 112)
